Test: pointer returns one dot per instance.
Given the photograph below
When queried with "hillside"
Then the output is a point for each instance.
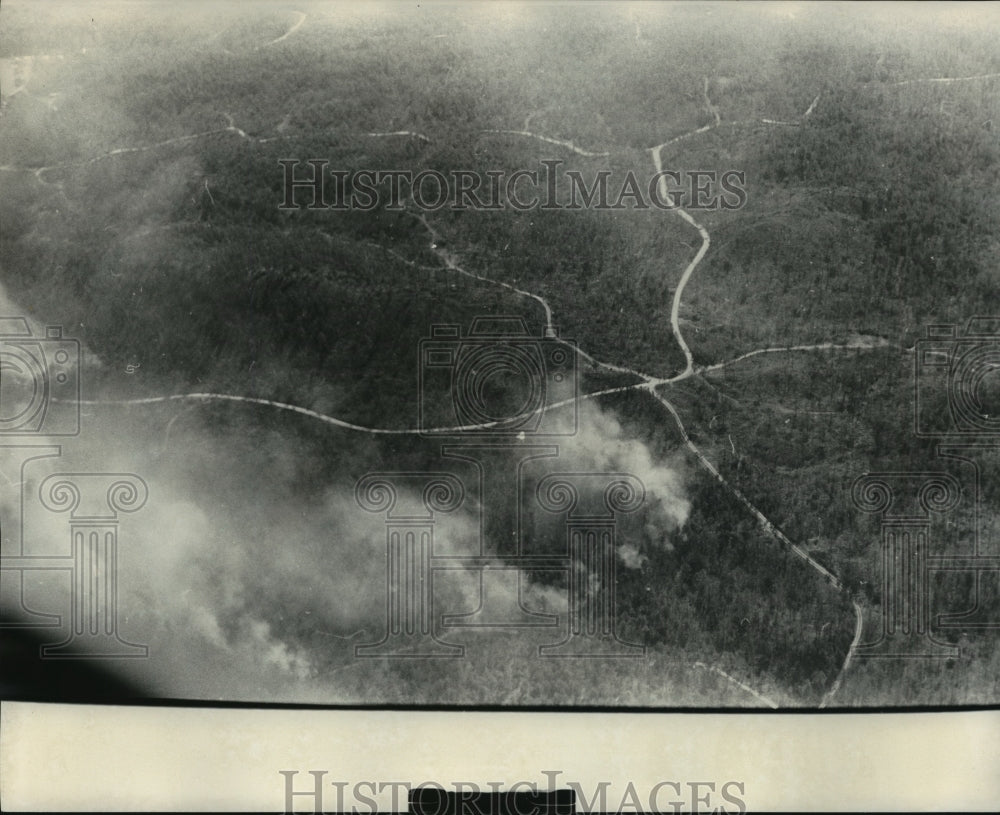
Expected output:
(254, 360)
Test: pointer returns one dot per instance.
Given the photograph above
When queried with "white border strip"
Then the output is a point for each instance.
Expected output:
(82, 757)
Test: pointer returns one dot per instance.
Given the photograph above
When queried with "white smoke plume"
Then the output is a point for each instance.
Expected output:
(600, 444)
(244, 588)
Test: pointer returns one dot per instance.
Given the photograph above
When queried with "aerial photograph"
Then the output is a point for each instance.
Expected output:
(500, 355)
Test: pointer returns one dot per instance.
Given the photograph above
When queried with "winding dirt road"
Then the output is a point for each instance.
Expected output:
(706, 241)
(646, 383)
(292, 30)
(549, 140)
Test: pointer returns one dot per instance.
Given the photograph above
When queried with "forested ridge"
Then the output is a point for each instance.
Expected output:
(140, 209)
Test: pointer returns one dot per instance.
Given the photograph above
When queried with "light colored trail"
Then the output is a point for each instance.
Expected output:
(736, 123)
(946, 80)
(758, 696)
(561, 142)
(684, 136)
(333, 420)
(858, 627)
(449, 261)
(550, 329)
(686, 276)
(823, 346)
(232, 126)
(170, 426)
(648, 382)
(251, 400)
(119, 151)
(708, 104)
(292, 30)
(400, 257)
(409, 133)
(764, 521)
(37, 172)
(689, 369)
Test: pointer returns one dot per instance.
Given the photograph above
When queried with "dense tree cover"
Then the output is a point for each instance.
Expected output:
(872, 217)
